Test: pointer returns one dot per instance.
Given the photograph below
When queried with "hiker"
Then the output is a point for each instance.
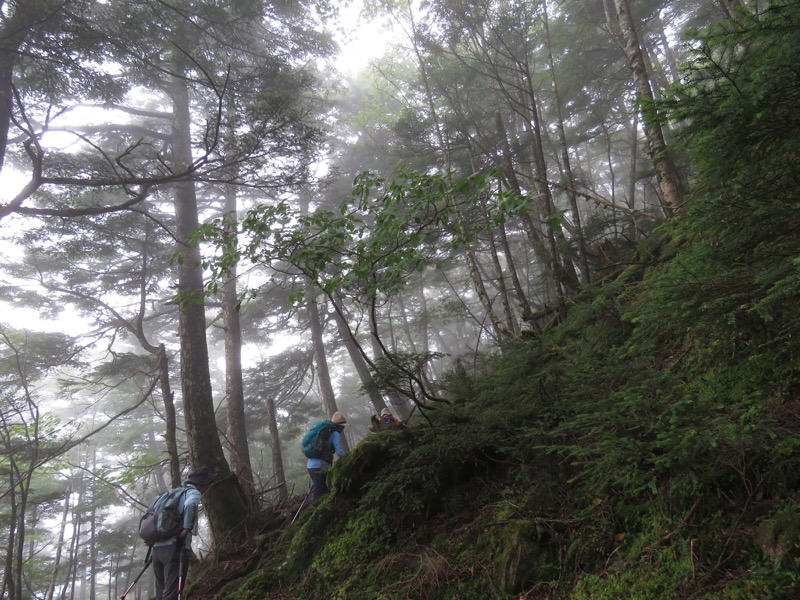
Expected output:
(318, 466)
(386, 421)
(171, 557)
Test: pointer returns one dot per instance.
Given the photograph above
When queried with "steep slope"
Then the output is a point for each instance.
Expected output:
(646, 447)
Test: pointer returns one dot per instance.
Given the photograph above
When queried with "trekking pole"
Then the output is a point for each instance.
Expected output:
(180, 568)
(147, 561)
(308, 493)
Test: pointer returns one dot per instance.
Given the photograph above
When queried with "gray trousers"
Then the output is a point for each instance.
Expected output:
(166, 564)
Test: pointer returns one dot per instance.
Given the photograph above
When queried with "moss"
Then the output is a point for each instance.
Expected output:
(255, 587)
(342, 565)
(524, 556)
(316, 525)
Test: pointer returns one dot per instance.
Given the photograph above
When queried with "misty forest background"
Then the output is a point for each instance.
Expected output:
(212, 238)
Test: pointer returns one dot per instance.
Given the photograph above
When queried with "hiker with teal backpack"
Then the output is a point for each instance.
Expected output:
(167, 528)
(319, 445)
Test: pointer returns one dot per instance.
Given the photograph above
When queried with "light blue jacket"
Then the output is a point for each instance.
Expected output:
(336, 441)
(190, 507)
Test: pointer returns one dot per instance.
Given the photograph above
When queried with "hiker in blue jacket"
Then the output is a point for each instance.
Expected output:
(167, 555)
(318, 467)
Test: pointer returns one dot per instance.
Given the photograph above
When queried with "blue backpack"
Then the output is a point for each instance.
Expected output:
(164, 517)
(315, 442)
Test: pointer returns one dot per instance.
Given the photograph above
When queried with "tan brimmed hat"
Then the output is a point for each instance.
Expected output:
(338, 418)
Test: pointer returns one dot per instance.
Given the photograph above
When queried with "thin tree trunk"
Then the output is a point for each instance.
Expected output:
(239, 451)
(666, 174)
(500, 278)
(399, 404)
(9, 573)
(546, 260)
(275, 444)
(562, 267)
(74, 544)
(48, 595)
(469, 254)
(565, 160)
(321, 361)
(92, 550)
(412, 345)
(355, 352)
(171, 421)
(633, 144)
(162, 362)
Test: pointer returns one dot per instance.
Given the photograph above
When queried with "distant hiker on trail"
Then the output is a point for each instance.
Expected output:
(171, 556)
(386, 421)
(319, 445)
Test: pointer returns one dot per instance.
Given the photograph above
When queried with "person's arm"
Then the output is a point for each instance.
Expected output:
(191, 504)
(336, 438)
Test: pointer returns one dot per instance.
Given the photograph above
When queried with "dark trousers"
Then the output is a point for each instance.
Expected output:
(166, 564)
(319, 484)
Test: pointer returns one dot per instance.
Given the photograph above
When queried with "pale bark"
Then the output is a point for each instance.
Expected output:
(68, 589)
(51, 586)
(666, 174)
(238, 448)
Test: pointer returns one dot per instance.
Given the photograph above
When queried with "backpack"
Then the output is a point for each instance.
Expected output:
(164, 517)
(315, 442)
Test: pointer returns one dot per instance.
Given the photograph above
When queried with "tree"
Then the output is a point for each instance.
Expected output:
(666, 173)
(30, 440)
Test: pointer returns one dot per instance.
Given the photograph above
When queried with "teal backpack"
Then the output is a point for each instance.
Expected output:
(315, 442)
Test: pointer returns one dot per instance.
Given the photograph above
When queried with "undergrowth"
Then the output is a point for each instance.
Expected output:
(648, 446)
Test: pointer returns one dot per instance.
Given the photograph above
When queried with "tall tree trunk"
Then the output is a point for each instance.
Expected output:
(239, 451)
(633, 144)
(224, 502)
(8, 571)
(321, 361)
(71, 577)
(666, 174)
(275, 445)
(500, 279)
(565, 160)
(17, 22)
(545, 260)
(92, 549)
(442, 137)
(409, 336)
(562, 266)
(51, 586)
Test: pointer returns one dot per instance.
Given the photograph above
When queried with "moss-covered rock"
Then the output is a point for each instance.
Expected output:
(525, 556)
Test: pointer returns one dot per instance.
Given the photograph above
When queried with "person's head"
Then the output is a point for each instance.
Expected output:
(338, 419)
(201, 478)
(386, 412)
